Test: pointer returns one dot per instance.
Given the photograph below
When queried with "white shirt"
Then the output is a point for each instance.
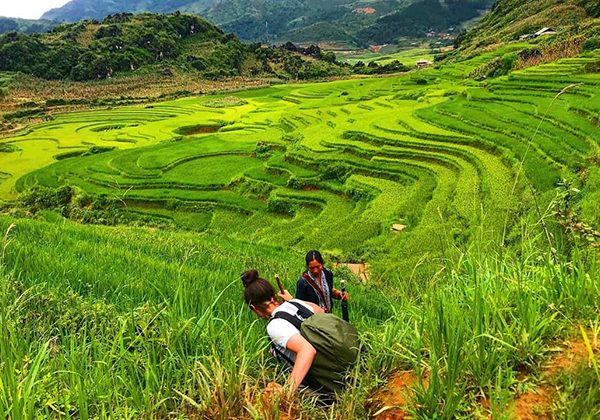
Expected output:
(281, 330)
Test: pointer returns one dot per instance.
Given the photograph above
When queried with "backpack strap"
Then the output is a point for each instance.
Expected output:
(318, 290)
(303, 311)
(296, 320)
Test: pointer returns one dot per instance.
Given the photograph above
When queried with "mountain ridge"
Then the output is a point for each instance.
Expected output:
(354, 22)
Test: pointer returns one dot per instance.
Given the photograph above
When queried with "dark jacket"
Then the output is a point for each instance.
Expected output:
(304, 291)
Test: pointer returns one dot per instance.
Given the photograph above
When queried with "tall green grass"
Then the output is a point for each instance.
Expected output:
(127, 322)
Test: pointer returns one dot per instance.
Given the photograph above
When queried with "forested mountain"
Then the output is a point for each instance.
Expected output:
(126, 43)
(358, 22)
(27, 26)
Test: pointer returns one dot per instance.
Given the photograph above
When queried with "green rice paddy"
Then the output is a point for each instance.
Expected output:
(407, 57)
(345, 160)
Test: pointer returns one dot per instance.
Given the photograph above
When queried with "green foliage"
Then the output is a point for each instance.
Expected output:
(509, 19)
(133, 320)
(498, 66)
(8, 148)
(374, 68)
(42, 198)
(580, 393)
(336, 172)
(490, 270)
(591, 44)
(25, 25)
(282, 206)
(123, 43)
(420, 17)
(73, 204)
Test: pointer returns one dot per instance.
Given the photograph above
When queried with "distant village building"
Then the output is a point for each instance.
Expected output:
(545, 31)
(376, 48)
(421, 64)
(365, 10)
(541, 32)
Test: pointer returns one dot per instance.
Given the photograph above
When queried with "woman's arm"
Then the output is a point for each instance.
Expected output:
(305, 354)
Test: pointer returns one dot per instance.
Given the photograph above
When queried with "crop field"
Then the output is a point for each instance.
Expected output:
(406, 57)
(145, 323)
(333, 165)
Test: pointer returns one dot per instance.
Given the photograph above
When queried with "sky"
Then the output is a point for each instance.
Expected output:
(28, 9)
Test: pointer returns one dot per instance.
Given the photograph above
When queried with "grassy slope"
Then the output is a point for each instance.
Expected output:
(153, 325)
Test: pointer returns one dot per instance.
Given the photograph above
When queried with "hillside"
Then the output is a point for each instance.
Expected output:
(125, 43)
(510, 19)
(27, 26)
(353, 22)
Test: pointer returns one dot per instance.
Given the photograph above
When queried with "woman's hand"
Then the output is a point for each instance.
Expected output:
(337, 294)
(285, 295)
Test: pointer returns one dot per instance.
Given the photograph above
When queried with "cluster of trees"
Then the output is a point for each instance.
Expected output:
(92, 49)
(313, 51)
(374, 68)
(124, 42)
(24, 25)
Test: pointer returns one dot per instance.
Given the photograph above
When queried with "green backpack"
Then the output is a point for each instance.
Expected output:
(336, 342)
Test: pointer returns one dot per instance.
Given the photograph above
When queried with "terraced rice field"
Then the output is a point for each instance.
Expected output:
(332, 165)
(406, 57)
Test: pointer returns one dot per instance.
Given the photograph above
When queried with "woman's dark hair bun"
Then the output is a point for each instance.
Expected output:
(249, 277)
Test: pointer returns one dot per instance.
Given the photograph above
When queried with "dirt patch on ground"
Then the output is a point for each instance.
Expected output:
(537, 403)
(365, 10)
(398, 227)
(534, 404)
(570, 354)
(360, 270)
(391, 401)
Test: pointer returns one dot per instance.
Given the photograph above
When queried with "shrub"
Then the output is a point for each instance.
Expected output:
(591, 44)
(43, 198)
(282, 206)
(336, 172)
(8, 148)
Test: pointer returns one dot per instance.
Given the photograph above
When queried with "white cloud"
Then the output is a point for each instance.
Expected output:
(28, 9)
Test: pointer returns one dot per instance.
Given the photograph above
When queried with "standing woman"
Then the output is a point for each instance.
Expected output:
(316, 284)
